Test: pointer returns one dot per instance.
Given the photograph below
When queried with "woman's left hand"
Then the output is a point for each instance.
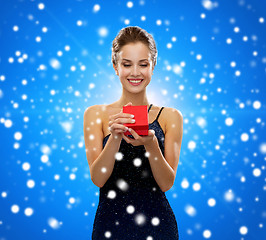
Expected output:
(140, 140)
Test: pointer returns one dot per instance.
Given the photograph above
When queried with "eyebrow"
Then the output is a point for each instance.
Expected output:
(139, 60)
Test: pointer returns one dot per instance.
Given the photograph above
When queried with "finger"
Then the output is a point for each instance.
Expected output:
(110, 123)
(115, 122)
(151, 132)
(129, 103)
(127, 115)
(120, 115)
(116, 126)
(122, 120)
(133, 133)
(127, 139)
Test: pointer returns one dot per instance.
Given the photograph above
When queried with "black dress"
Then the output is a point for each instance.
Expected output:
(131, 204)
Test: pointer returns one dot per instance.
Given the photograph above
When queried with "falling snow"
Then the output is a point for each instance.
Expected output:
(211, 66)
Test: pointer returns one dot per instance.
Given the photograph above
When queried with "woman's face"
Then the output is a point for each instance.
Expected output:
(134, 62)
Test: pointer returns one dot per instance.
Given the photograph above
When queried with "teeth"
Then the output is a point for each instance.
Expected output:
(135, 81)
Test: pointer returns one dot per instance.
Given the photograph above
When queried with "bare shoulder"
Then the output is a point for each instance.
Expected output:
(173, 116)
(173, 111)
(95, 110)
(91, 109)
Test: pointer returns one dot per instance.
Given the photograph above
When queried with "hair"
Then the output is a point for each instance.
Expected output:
(133, 35)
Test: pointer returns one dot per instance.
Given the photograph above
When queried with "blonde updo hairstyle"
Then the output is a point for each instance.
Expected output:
(133, 35)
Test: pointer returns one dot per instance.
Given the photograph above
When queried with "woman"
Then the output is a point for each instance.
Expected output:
(133, 173)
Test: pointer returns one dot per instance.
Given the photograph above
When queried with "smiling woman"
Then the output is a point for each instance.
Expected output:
(133, 173)
(134, 64)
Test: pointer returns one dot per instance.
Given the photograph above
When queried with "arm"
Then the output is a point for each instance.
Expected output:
(162, 171)
(164, 168)
(101, 161)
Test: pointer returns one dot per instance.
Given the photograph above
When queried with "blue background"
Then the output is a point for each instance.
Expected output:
(48, 78)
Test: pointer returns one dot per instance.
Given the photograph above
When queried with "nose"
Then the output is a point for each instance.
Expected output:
(135, 70)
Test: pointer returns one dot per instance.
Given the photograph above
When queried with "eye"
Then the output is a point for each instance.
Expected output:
(143, 65)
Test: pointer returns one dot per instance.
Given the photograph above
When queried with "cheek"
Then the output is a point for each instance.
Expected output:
(125, 71)
(148, 72)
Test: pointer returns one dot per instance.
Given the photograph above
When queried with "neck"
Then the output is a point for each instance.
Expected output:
(136, 98)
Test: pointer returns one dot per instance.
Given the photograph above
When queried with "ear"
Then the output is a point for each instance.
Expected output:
(116, 71)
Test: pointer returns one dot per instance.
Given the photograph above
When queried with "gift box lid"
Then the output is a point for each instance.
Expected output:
(140, 115)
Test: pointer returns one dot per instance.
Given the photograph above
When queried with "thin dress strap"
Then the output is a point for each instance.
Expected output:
(149, 107)
(159, 113)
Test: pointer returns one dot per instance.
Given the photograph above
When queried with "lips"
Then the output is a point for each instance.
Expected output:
(135, 83)
(136, 79)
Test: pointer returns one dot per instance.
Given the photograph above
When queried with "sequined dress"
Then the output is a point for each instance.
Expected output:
(131, 204)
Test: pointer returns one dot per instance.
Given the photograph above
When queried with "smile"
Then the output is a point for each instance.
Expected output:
(135, 82)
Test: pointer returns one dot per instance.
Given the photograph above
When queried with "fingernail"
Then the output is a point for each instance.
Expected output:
(126, 128)
(129, 129)
(132, 115)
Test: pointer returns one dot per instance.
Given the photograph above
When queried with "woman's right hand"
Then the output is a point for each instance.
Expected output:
(116, 121)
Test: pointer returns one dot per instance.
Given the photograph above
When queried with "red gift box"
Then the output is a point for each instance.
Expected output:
(141, 125)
